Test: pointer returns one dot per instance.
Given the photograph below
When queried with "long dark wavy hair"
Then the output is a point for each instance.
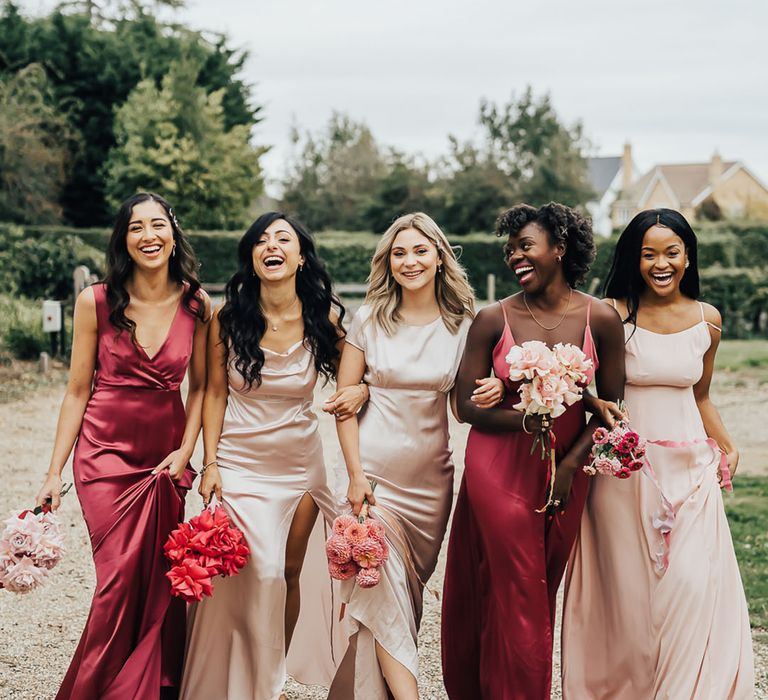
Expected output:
(624, 280)
(242, 320)
(182, 265)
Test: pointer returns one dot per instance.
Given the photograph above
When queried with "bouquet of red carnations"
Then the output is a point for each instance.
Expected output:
(30, 546)
(616, 452)
(207, 545)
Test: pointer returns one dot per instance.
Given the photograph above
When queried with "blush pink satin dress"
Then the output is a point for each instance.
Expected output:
(505, 560)
(269, 456)
(133, 641)
(654, 604)
(404, 447)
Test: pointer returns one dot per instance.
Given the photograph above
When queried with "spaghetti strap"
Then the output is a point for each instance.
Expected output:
(504, 314)
(704, 320)
(589, 309)
(701, 308)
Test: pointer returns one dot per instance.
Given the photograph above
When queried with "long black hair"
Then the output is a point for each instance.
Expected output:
(182, 265)
(624, 280)
(563, 225)
(242, 320)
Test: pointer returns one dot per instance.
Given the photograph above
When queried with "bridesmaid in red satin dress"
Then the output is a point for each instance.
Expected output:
(505, 560)
(135, 337)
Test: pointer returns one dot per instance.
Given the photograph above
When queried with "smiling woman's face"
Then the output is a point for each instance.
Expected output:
(662, 260)
(413, 259)
(277, 253)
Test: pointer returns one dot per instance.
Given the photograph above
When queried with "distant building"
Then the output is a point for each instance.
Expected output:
(609, 176)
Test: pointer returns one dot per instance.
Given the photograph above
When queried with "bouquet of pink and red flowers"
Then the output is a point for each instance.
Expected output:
(207, 545)
(30, 546)
(357, 548)
(552, 379)
(616, 452)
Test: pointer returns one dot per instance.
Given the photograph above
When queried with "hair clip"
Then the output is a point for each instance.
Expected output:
(173, 217)
(657, 219)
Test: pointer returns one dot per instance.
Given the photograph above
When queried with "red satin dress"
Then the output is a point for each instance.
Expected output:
(133, 642)
(505, 561)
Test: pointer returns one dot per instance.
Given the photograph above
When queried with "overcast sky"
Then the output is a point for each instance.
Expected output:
(677, 78)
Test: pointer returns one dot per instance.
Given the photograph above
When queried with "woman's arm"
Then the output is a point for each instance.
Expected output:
(713, 424)
(214, 408)
(176, 462)
(351, 370)
(79, 387)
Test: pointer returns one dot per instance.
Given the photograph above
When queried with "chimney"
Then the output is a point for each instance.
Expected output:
(715, 169)
(627, 169)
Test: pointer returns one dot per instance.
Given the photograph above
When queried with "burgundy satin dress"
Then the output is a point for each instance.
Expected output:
(133, 642)
(505, 561)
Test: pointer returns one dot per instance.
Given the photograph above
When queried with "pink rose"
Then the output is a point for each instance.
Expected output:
(369, 553)
(190, 581)
(573, 361)
(376, 530)
(532, 358)
(23, 534)
(600, 436)
(547, 395)
(525, 398)
(615, 437)
(338, 549)
(23, 576)
(49, 550)
(176, 546)
(356, 533)
(342, 572)
(342, 523)
(368, 578)
(606, 465)
(235, 559)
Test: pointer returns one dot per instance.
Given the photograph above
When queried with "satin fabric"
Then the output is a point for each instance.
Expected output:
(133, 640)
(404, 447)
(505, 561)
(269, 457)
(654, 604)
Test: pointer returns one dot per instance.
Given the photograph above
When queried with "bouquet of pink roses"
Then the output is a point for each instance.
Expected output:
(357, 548)
(552, 379)
(207, 545)
(616, 452)
(30, 546)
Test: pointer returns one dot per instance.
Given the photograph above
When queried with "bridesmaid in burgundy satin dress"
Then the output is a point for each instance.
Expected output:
(505, 560)
(135, 337)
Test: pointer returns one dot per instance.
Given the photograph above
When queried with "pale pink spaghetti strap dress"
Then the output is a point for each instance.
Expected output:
(404, 446)
(654, 604)
(269, 456)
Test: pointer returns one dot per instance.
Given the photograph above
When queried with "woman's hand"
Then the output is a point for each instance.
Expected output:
(210, 484)
(607, 411)
(489, 392)
(51, 489)
(360, 490)
(732, 460)
(346, 402)
(562, 489)
(175, 463)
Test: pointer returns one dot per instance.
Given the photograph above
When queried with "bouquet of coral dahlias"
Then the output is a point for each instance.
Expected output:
(616, 452)
(552, 379)
(357, 548)
(30, 546)
(207, 545)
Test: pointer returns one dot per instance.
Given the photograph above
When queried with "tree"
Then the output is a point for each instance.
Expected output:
(36, 143)
(174, 140)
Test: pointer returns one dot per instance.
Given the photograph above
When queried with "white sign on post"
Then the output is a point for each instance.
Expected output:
(51, 316)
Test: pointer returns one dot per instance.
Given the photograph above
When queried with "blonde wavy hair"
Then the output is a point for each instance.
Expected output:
(454, 294)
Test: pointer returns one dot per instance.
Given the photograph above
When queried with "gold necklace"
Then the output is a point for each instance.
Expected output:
(541, 325)
(272, 323)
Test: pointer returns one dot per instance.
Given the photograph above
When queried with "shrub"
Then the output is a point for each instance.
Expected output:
(21, 327)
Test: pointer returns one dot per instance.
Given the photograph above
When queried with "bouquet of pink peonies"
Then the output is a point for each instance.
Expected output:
(616, 452)
(357, 548)
(552, 379)
(30, 546)
(207, 545)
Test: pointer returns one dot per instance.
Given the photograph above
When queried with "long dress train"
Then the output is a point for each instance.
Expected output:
(269, 457)
(133, 641)
(505, 561)
(404, 447)
(654, 605)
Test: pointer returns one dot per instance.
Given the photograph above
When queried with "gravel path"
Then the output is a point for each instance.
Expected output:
(39, 631)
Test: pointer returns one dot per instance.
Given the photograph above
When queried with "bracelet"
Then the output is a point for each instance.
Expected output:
(205, 466)
(525, 430)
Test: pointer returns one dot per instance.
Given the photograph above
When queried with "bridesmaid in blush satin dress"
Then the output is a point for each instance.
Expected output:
(276, 334)
(405, 342)
(505, 560)
(654, 604)
(135, 338)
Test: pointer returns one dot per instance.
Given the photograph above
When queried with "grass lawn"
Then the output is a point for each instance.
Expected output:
(742, 354)
(747, 510)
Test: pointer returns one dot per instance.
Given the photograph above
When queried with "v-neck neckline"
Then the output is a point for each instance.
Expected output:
(167, 335)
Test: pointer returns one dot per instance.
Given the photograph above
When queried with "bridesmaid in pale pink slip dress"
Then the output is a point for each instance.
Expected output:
(654, 604)
(277, 332)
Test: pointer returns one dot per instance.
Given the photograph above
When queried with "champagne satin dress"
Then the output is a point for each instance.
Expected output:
(654, 604)
(404, 447)
(133, 641)
(269, 456)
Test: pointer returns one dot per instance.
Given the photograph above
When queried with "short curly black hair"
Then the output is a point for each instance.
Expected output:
(564, 225)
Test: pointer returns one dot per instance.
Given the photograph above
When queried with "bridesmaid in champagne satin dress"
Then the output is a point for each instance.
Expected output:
(277, 328)
(505, 559)
(131, 461)
(654, 603)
